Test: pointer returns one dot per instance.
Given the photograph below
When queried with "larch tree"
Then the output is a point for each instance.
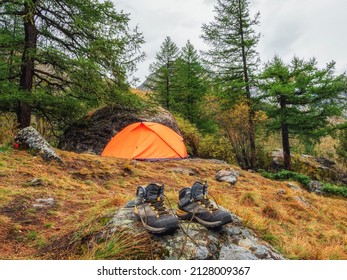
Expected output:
(192, 79)
(62, 57)
(162, 80)
(300, 98)
(233, 59)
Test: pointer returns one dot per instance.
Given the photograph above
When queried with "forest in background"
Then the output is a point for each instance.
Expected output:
(62, 59)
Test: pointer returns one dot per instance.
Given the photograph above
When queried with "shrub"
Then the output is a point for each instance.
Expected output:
(335, 190)
(288, 175)
(341, 148)
(7, 128)
(205, 145)
(216, 146)
(191, 135)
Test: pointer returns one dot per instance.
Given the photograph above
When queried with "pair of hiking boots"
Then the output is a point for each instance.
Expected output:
(193, 204)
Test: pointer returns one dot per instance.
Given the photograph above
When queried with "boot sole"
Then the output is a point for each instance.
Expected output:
(188, 216)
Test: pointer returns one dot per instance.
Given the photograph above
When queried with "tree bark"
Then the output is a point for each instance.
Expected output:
(251, 114)
(285, 138)
(27, 67)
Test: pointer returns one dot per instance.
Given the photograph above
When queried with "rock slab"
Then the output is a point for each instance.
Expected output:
(195, 242)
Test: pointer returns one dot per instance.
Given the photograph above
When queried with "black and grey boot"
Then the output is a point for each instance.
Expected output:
(149, 207)
(194, 204)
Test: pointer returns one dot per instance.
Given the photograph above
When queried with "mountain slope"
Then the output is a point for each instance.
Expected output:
(49, 211)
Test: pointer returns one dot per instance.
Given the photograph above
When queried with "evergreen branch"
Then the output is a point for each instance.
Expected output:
(51, 75)
(10, 78)
(48, 82)
(70, 47)
(66, 32)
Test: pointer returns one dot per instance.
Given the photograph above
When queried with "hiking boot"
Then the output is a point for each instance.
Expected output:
(149, 207)
(194, 204)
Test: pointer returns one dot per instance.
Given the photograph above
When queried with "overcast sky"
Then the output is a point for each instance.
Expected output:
(305, 28)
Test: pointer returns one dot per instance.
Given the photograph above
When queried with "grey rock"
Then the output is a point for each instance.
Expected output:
(201, 253)
(315, 185)
(281, 192)
(30, 138)
(36, 182)
(234, 231)
(234, 252)
(130, 204)
(261, 251)
(193, 241)
(44, 202)
(184, 171)
(319, 192)
(277, 157)
(229, 176)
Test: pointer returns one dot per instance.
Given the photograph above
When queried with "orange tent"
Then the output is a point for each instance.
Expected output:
(146, 141)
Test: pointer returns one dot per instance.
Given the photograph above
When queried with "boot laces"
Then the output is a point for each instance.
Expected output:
(208, 205)
(159, 207)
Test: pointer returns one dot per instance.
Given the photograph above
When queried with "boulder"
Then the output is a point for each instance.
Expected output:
(229, 176)
(195, 242)
(316, 187)
(94, 131)
(29, 137)
(277, 158)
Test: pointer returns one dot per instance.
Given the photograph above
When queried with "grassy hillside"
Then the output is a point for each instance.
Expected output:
(88, 189)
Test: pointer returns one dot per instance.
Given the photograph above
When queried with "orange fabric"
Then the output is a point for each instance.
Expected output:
(146, 140)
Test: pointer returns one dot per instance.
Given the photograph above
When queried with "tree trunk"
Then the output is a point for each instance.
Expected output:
(251, 113)
(285, 138)
(27, 67)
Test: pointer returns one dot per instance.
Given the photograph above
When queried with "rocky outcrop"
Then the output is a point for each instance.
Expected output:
(92, 133)
(195, 242)
(317, 168)
(29, 138)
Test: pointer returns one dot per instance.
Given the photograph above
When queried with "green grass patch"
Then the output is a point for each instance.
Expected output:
(270, 238)
(48, 225)
(32, 235)
(288, 175)
(5, 148)
(335, 190)
(305, 181)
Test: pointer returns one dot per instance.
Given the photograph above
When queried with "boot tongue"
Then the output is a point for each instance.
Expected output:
(199, 190)
(153, 191)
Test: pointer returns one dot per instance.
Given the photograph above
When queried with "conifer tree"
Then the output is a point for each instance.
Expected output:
(302, 97)
(191, 76)
(232, 57)
(63, 56)
(163, 79)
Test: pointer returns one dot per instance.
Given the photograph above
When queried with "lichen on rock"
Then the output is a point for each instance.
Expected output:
(195, 242)
(29, 137)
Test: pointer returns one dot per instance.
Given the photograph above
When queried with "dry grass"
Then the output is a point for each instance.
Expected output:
(88, 189)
